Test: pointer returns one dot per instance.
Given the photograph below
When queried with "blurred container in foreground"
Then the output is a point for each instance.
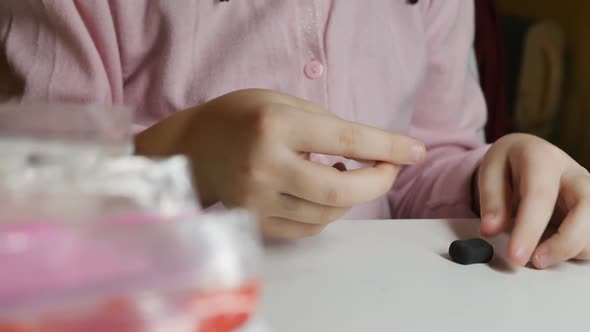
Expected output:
(93, 239)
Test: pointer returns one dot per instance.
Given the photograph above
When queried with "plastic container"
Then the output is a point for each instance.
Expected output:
(129, 273)
(94, 239)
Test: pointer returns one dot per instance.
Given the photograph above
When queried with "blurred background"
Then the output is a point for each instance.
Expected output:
(534, 61)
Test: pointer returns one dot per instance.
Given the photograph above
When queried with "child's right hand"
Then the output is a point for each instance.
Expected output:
(250, 149)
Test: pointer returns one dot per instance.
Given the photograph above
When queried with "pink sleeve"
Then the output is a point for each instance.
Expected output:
(449, 114)
(63, 50)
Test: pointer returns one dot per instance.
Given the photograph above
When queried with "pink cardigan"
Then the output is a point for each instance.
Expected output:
(388, 64)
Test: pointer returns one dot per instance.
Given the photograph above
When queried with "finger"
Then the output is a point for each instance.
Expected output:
(573, 234)
(280, 228)
(568, 242)
(539, 187)
(334, 136)
(297, 209)
(326, 185)
(495, 195)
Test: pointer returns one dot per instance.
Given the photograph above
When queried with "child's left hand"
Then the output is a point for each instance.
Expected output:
(545, 183)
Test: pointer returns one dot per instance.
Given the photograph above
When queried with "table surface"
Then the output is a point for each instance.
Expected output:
(396, 276)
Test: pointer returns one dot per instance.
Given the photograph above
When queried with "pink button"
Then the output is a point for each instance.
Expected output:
(314, 70)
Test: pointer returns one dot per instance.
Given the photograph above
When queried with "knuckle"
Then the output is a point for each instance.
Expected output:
(326, 214)
(348, 138)
(258, 167)
(529, 153)
(251, 175)
(266, 121)
(289, 203)
(537, 152)
(397, 150)
(331, 196)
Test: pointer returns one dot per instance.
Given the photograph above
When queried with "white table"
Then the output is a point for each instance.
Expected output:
(395, 276)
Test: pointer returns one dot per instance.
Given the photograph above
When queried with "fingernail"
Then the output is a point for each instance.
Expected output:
(543, 259)
(491, 219)
(490, 222)
(418, 153)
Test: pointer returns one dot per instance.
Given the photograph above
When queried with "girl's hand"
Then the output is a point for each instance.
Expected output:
(250, 149)
(543, 182)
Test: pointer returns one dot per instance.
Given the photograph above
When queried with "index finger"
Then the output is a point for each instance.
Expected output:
(329, 135)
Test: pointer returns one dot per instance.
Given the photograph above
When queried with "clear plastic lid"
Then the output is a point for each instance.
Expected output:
(78, 188)
(94, 239)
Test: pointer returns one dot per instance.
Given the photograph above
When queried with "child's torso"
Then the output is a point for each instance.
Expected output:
(363, 60)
